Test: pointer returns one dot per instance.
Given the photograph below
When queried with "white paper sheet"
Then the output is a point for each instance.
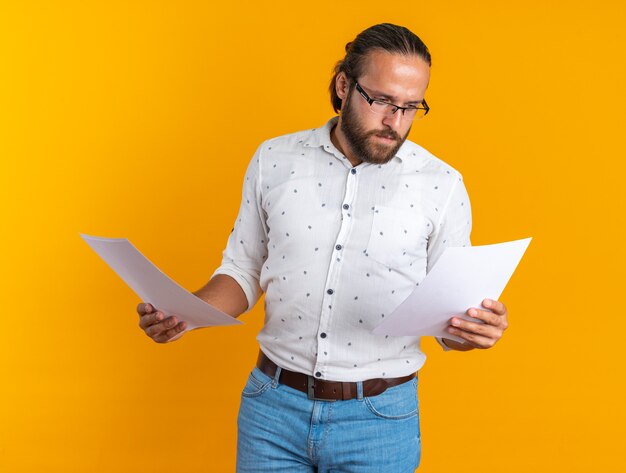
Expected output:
(461, 279)
(155, 287)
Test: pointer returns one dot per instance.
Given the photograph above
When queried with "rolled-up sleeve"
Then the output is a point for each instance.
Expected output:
(453, 229)
(246, 249)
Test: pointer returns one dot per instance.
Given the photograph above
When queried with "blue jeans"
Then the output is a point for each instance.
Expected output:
(281, 430)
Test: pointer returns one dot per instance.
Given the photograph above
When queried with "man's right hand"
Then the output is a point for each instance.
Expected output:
(159, 328)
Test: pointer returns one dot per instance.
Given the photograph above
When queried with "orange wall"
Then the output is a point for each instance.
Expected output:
(137, 118)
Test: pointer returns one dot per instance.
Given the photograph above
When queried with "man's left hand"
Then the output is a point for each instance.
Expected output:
(483, 335)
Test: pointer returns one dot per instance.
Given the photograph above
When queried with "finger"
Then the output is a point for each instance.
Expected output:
(167, 336)
(145, 308)
(147, 320)
(156, 329)
(498, 319)
(475, 340)
(485, 316)
(485, 330)
(496, 306)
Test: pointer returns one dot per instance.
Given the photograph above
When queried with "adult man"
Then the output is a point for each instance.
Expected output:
(337, 225)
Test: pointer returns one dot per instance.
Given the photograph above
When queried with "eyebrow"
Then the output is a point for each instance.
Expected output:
(392, 98)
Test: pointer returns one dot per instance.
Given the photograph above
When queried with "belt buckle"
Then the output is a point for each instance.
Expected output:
(310, 380)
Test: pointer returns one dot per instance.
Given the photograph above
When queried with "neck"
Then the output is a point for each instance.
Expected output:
(339, 140)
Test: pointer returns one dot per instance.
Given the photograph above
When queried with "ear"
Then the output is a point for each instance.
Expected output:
(341, 85)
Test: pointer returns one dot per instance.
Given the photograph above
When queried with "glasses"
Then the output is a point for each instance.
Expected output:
(388, 109)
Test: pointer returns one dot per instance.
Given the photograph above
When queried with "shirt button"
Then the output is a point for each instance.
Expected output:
(338, 247)
(353, 171)
(323, 334)
(318, 375)
(346, 206)
(330, 291)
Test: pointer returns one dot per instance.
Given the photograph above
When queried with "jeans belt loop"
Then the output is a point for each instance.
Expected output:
(310, 384)
(276, 377)
(359, 390)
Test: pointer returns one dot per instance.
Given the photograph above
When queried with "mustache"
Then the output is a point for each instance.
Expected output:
(385, 134)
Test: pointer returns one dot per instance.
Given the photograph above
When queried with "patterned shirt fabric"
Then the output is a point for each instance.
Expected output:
(336, 248)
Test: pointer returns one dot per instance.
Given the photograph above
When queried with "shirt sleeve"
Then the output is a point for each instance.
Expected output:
(453, 229)
(246, 249)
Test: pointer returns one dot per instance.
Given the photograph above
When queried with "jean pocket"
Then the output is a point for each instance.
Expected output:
(398, 402)
(257, 384)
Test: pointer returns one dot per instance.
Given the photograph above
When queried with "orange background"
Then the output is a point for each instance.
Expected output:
(137, 119)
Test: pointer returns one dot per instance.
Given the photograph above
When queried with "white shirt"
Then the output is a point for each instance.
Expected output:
(337, 248)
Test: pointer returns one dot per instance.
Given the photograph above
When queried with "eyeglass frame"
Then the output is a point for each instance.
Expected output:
(370, 101)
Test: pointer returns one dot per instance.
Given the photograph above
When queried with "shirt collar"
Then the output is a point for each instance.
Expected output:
(321, 137)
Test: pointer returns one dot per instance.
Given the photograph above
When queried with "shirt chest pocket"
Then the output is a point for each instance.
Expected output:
(398, 237)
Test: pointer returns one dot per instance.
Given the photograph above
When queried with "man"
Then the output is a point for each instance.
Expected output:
(337, 226)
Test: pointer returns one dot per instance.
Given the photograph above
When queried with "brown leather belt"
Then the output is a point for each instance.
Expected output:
(322, 390)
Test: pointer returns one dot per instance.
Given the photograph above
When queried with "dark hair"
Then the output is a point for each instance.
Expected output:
(383, 37)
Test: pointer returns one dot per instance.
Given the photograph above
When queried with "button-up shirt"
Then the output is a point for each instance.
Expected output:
(336, 248)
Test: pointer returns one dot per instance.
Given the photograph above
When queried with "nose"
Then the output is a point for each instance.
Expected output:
(393, 121)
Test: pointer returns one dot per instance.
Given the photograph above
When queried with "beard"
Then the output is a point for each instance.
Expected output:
(363, 142)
